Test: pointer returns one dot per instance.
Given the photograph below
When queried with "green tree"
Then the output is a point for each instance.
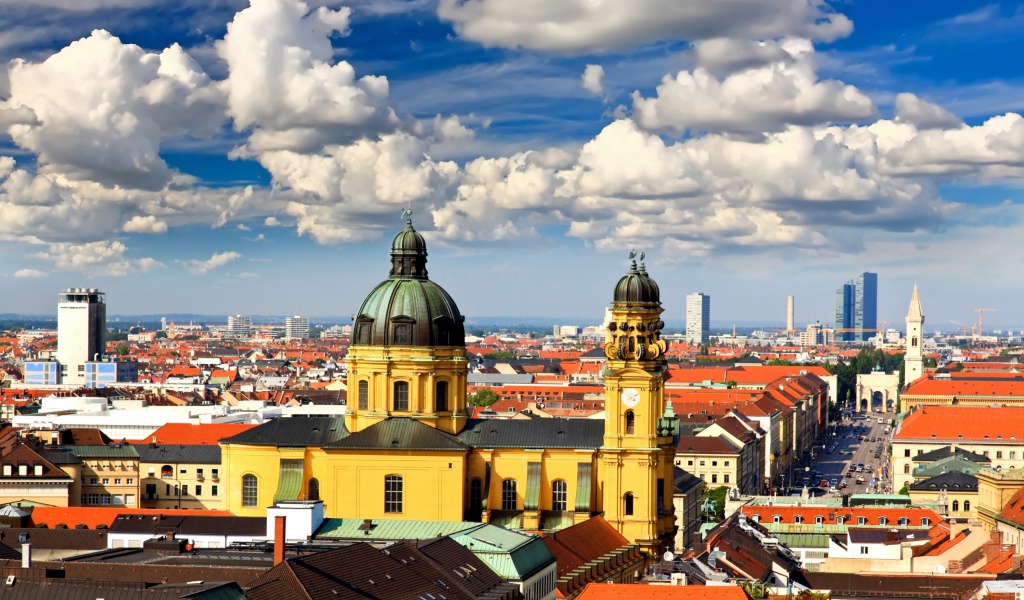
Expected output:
(484, 397)
(500, 355)
(161, 335)
(121, 350)
(717, 495)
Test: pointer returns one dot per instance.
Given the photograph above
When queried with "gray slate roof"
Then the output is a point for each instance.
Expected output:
(399, 433)
(954, 481)
(533, 433)
(293, 431)
(947, 451)
(174, 453)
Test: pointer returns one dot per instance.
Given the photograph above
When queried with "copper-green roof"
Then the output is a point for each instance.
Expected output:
(512, 555)
(390, 529)
(407, 309)
(98, 451)
(399, 433)
(289, 483)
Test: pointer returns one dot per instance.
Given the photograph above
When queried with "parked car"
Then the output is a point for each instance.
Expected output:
(842, 484)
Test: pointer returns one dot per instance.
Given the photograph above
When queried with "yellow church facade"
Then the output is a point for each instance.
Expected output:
(407, 449)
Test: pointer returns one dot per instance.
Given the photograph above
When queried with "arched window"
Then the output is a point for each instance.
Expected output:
(840, 520)
(314, 489)
(629, 503)
(904, 521)
(364, 394)
(956, 506)
(630, 422)
(441, 396)
(166, 472)
(862, 520)
(798, 519)
(818, 519)
(401, 395)
(926, 521)
(883, 521)
(509, 497)
(250, 491)
(393, 493)
(559, 495)
(967, 505)
(906, 468)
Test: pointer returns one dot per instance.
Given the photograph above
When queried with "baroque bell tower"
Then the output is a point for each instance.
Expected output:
(913, 360)
(637, 455)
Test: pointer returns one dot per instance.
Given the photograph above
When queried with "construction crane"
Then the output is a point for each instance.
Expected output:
(965, 327)
(981, 313)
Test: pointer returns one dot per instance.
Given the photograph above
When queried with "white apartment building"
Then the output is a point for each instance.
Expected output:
(239, 326)
(698, 318)
(81, 331)
(296, 328)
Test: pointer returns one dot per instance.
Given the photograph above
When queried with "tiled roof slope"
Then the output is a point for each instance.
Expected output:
(618, 591)
(454, 564)
(24, 453)
(579, 544)
(533, 433)
(952, 423)
(399, 433)
(92, 516)
(165, 453)
(1013, 511)
(929, 386)
(292, 431)
(947, 451)
(196, 434)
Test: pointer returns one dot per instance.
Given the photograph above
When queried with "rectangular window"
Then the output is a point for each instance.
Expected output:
(985, 453)
(906, 452)
(999, 453)
(1013, 454)
(714, 478)
(214, 473)
(184, 471)
(727, 463)
(702, 463)
(714, 463)
(129, 499)
(117, 499)
(106, 481)
(661, 494)
(117, 481)
(93, 480)
(392, 493)
(199, 473)
(105, 499)
(689, 463)
(213, 490)
(725, 478)
(509, 497)
(168, 493)
(184, 490)
(863, 549)
(129, 481)
(364, 395)
(199, 490)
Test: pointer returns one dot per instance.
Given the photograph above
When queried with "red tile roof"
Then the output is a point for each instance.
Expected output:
(202, 434)
(967, 386)
(618, 591)
(951, 423)
(830, 514)
(92, 516)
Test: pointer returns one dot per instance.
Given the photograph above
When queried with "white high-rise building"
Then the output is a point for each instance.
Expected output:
(698, 318)
(81, 331)
(296, 328)
(913, 360)
(239, 326)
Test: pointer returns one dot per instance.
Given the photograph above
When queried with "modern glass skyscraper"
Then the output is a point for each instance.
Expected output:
(857, 308)
(865, 319)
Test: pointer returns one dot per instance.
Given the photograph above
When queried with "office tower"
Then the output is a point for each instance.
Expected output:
(698, 318)
(857, 309)
(81, 331)
(163, 323)
(790, 314)
(296, 328)
(913, 360)
(239, 326)
(844, 312)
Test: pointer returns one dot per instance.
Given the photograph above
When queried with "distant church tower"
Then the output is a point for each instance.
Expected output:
(913, 360)
(638, 450)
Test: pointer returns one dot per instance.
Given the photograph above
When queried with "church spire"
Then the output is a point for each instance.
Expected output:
(915, 311)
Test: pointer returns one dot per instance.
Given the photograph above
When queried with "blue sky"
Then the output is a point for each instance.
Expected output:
(221, 157)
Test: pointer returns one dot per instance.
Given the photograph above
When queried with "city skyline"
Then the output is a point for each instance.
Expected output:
(147, 158)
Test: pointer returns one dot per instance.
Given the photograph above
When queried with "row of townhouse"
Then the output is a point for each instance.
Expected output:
(181, 472)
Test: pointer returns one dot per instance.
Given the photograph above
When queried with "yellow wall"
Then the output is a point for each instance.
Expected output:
(262, 461)
(190, 478)
(352, 483)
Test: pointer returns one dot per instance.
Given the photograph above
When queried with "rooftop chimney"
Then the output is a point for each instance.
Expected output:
(279, 540)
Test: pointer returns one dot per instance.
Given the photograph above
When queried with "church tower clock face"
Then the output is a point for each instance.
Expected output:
(630, 397)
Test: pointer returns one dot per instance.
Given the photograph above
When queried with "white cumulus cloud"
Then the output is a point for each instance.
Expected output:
(145, 224)
(593, 79)
(27, 273)
(218, 259)
(98, 258)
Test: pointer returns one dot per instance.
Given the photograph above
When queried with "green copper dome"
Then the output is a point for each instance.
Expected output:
(407, 309)
(637, 287)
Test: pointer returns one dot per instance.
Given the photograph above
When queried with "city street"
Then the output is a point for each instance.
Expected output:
(851, 449)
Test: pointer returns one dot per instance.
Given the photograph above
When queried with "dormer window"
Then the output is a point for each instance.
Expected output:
(7, 469)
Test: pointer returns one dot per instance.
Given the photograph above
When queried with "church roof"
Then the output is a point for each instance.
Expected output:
(952, 481)
(292, 431)
(948, 451)
(399, 433)
(533, 433)
(915, 311)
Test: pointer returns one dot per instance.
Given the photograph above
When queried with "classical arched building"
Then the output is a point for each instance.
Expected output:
(406, 449)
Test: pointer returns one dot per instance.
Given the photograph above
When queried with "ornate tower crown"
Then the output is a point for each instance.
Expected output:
(635, 331)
